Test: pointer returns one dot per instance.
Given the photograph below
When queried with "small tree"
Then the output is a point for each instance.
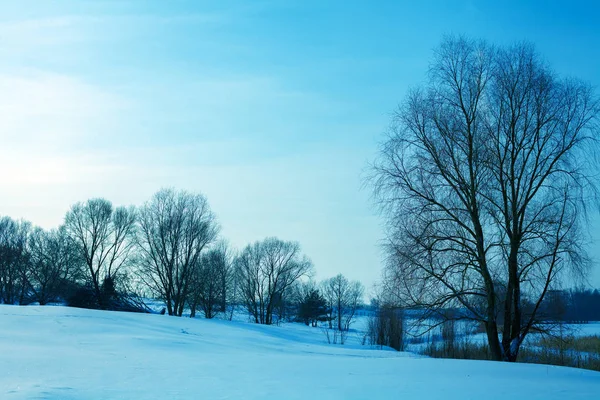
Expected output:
(266, 271)
(343, 298)
(55, 262)
(386, 327)
(313, 308)
(212, 282)
(105, 239)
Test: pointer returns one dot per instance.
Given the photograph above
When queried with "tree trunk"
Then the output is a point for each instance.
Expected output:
(512, 312)
(169, 305)
(98, 293)
(491, 329)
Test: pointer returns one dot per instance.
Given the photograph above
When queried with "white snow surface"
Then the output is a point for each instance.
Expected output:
(69, 353)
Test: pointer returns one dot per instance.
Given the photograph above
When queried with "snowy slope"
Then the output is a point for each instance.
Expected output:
(66, 353)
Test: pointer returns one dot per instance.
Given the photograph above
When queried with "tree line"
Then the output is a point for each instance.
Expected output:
(574, 305)
(170, 249)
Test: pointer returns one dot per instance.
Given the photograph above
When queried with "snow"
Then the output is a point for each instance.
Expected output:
(68, 353)
(589, 329)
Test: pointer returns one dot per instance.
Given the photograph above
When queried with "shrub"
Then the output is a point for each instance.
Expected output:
(313, 308)
(83, 297)
(569, 351)
(386, 328)
(112, 298)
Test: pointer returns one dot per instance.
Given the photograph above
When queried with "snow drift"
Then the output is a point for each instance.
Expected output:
(67, 353)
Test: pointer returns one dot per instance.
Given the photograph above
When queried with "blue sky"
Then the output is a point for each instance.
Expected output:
(272, 109)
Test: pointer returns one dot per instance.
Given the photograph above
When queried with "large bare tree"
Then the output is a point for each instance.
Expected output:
(484, 179)
(54, 260)
(14, 260)
(105, 237)
(266, 270)
(212, 282)
(175, 229)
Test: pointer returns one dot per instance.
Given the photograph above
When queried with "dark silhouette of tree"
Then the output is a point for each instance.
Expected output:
(313, 308)
(105, 238)
(55, 261)
(212, 282)
(484, 179)
(265, 272)
(343, 299)
(14, 260)
(175, 228)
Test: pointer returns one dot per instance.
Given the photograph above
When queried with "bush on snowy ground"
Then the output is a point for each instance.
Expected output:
(386, 328)
(112, 298)
(313, 308)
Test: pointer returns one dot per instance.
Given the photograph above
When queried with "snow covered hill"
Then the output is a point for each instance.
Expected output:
(67, 353)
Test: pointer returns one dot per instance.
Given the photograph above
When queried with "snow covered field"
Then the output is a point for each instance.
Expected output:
(67, 353)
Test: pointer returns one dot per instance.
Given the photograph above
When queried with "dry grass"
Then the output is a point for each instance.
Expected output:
(462, 350)
(587, 344)
(569, 351)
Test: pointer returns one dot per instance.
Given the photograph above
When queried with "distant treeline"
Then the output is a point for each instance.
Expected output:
(575, 305)
(169, 248)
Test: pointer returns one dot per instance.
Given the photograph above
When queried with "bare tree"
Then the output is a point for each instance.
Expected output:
(212, 282)
(266, 270)
(55, 260)
(14, 260)
(105, 237)
(484, 182)
(343, 299)
(175, 229)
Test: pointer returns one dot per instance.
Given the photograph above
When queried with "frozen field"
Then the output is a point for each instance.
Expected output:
(67, 353)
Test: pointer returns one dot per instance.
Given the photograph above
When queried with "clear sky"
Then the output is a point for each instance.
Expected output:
(272, 109)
